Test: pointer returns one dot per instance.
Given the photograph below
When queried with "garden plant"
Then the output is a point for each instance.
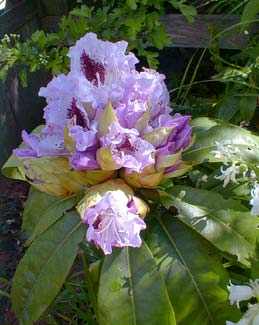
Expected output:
(138, 213)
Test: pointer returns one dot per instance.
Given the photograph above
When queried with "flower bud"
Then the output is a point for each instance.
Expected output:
(149, 177)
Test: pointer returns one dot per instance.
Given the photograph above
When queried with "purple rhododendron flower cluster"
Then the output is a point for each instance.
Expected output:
(107, 116)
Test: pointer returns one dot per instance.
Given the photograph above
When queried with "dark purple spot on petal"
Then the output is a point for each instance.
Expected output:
(132, 207)
(127, 145)
(75, 113)
(97, 222)
(90, 69)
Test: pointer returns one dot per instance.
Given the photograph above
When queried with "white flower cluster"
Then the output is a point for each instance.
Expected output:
(229, 155)
(8, 38)
(239, 293)
(43, 59)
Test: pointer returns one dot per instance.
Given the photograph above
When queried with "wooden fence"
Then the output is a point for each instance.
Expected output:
(21, 108)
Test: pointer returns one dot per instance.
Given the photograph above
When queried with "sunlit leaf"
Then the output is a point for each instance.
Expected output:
(193, 273)
(225, 223)
(132, 291)
(208, 131)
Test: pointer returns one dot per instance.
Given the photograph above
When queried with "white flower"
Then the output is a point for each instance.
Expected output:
(229, 154)
(225, 152)
(228, 175)
(251, 316)
(255, 200)
(239, 293)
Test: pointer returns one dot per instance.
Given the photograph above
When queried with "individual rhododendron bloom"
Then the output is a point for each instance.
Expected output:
(127, 148)
(113, 214)
(95, 59)
(103, 69)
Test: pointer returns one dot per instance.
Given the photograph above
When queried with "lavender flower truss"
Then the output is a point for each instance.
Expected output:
(104, 117)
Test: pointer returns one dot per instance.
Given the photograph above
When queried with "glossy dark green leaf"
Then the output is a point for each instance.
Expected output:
(208, 131)
(44, 267)
(249, 13)
(229, 108)
(211, 200)
(248, 106)
(193, 273)
(132, 291)
(95, 272)
(36, 203)
(51, 213)
(225, 223)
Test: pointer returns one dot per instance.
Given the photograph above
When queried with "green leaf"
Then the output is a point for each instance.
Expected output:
(152, 59)
(229, 108)
(11, 168)
(249, 13)
(131, 290)
(255, 264)
(248, 106)
(131, 4)
(189, 12)
(225, 223)
(4, 71)
(36, 203)
(50, 214)
(134, 26)
(95, 272)
(208, 131)
(23, 77)
(194, 276)
(44, 267)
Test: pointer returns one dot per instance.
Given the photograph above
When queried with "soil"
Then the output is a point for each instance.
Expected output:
(13, 195)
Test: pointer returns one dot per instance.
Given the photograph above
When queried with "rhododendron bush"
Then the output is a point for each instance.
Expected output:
(170, 203)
